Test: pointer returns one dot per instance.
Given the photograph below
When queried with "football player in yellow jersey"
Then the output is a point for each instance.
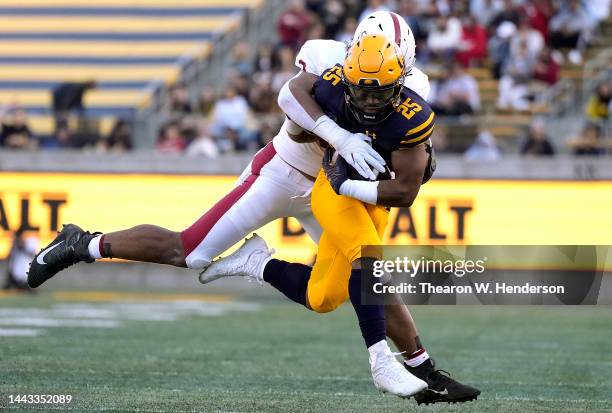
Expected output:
(364, 95)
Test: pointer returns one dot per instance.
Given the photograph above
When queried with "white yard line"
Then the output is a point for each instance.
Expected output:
(19, 332)
(54, 322)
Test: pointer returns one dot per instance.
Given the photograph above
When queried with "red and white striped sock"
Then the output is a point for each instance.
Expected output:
(417, 358)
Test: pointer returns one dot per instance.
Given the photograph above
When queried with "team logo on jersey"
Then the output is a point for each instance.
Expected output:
(370, 134)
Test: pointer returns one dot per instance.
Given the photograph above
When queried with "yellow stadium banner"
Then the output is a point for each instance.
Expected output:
(446, 211)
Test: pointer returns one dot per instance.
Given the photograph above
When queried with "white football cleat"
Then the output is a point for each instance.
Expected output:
(389, 375)
(247, 261)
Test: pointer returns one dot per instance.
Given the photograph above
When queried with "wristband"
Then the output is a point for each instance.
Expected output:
(365, 191)
(329, 131)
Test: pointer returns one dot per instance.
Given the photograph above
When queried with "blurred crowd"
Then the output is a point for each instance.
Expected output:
(522, 43)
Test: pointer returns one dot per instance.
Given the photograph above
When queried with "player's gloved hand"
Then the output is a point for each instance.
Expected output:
(335, 168)
(355, 148)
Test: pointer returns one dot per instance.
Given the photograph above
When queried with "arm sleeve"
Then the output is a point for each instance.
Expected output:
(292, 108)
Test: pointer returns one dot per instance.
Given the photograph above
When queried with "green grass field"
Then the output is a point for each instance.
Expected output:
(275, 356)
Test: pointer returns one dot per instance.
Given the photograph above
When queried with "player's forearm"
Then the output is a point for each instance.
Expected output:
(397, 193)
(295, 99)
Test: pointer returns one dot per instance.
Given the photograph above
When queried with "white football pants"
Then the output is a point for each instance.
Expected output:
(268, 189)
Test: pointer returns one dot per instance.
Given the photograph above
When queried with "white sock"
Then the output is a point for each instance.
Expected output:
(94, 247)
(417, 358)
(380, 347)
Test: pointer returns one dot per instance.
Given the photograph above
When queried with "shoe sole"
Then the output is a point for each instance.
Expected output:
(453, 401)
(385, 392)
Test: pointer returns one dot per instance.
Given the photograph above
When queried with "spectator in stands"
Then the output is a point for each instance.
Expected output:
(293, 25)
(348, 30)
(268, 128)
(241, 83)
(332, 17)
(63, 139)
(537, 143)
(206, 101)
(444, 39)
(20, 255)
(508, 13)
(546, 69)
(409, 10)
(189, 128)
(316, 31)
(484, 148)
(265, 58)
(286, 70)
(588, 142)
(457, 94)
(240, 59)
(374, 6)
(459, 8)
(315, 6)
(514, 84)
(428, 9)
(485, 10)
(598, 106)
(569, 29)
(68, 97)
(262, 97)
(230, 111)
(538, 14)
(531, 38)
(499, 47)
(15, 131)
(203, 145)
(170, 140)
(598, 10)
(179, 99)
(119, 139)
(473, 45)
(228, 141)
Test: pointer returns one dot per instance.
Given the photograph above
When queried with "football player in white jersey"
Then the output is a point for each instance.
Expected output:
(276, 184)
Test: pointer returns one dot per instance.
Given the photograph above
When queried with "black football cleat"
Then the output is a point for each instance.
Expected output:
(68, 248)
(441, 387)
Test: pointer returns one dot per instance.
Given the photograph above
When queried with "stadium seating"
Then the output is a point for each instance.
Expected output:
(509, 126)
(121, 44)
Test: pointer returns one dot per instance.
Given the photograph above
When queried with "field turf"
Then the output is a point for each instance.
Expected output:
(273, 356)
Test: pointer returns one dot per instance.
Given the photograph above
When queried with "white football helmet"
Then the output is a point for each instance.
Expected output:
(395, 28)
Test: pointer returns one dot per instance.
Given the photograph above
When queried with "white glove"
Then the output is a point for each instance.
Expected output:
(355, 148)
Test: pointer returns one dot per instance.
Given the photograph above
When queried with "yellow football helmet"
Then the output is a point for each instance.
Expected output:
(373, 75)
